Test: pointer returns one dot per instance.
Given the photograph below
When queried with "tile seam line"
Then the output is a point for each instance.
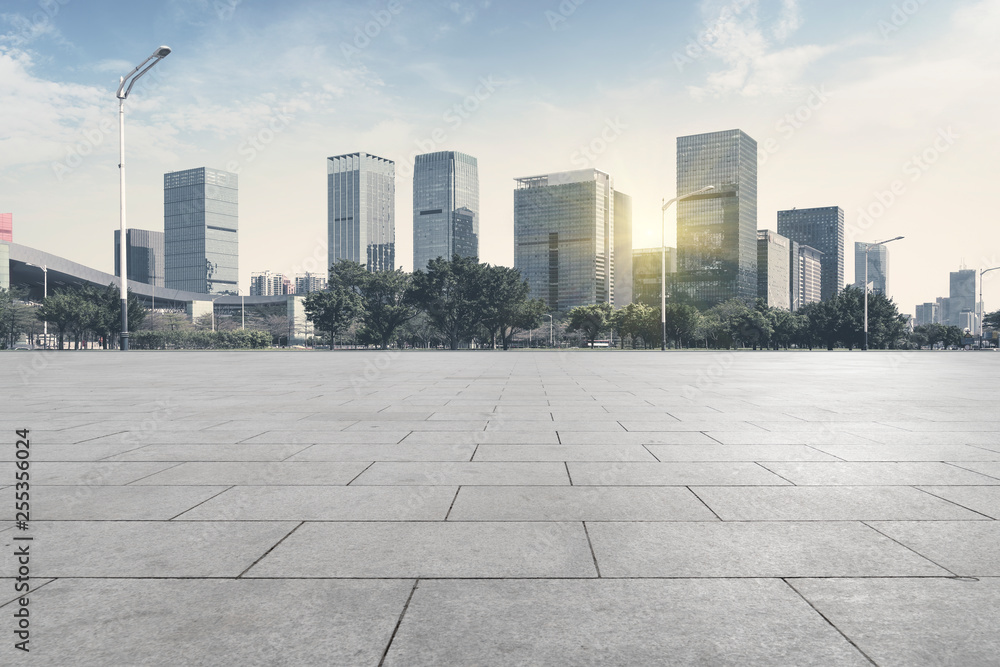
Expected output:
(905, 546)
(273, 547)
(216, 495)
(590, 544)
(829, 622)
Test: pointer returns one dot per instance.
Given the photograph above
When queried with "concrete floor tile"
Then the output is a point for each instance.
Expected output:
(457, 474)
(432, 549)
(760, 549)
(738, 453)
(671, 474)
(816, 437)
(639, 438)
(614, 622)
(876, 474)
(966, 548)
(503, 437)
(639, 425)
(578, 503)
(315, 437)
(116, 503)
(563, 453)
(984, 499)
(401, 452)
(210, 453)
(257, 473)
(990, 468)
(952, 453)
(83, 473)
(84, 452)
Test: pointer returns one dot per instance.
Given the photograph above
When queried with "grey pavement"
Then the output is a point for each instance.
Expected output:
(521, 508)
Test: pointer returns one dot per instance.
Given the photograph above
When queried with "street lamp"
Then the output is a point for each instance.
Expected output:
(123, 92)
(552, 338)
(45, 295)
(981, 314)
(869, 246)
(243, 307)
(663, 260)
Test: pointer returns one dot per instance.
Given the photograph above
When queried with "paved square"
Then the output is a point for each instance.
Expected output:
(488, 508)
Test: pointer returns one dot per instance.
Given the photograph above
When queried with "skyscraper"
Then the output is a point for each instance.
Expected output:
(928, 313)
(623, 249)
(145, 256)
(878, 267)
(564, 237)
(647, 274)
(361, 210)
(7, 227)
(717, 230)
(445, 207)
(962, 297)
(200, 236)
(774, 261)
(806, 272)
(822, 229)
(265, 283)
(309, 282)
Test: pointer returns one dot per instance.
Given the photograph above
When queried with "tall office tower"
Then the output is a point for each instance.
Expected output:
(962, 297)
(927, 313)
(806, 272)
(309, 282)
(878, 267)
(564, 237)
(145, 256)
(361, 210)
(7, 227)
(717, 230)
(265, 283)
(623, 249)
(647, 275)
(200, 232)
(774, 262)
(445, 207)
(822, 229)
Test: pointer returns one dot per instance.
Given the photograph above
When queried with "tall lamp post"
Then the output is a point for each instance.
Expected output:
(243, 308)
(869, 246)
(45, 295)
(552, 338)
(663, 260)
(980, 304)
(123, 92)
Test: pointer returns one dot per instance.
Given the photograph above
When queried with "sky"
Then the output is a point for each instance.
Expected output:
(885, 108)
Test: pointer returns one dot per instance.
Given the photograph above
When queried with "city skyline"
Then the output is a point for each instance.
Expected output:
(835, 97)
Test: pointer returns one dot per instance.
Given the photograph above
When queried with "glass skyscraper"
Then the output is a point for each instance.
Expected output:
(717, 230)
(361, 210)
(774, 276)
(200, 215)
(806, 275)
(878, 267)
(145, 256)
(822, 229)
(445, 207)
(564, 236)
(647, 274)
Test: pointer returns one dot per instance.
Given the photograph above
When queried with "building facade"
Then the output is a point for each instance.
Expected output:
(623, 249)
(717, 230)
(806, 271)
(445, 207)
(928, 313)
(265, 283)
(647, 274)
(200, 231)
(961, 298)
(309, 282)
(564, 237)
(823, 230)
(361, 210)
(774, 265)
(878, 267)
(7, 227)
(144, 254)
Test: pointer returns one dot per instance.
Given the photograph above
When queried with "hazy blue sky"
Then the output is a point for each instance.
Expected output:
(272, 89)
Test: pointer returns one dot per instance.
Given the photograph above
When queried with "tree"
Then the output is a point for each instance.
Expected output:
(682, 322)
(451, 293)
(630, 322)
(384, 297)
(937, 334)
(506, 308)
(60, 309)
(332, 310)
(992, 320)
(15, 316)
(590, 320)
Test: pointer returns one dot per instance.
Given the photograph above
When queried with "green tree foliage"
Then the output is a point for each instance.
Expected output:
(936, 334)
(15, 316)
(385, 298)
(631, 322)
(506, 307)
(451, 293)
(682, 322)
(332, 310)
(590, 320)
(992, 319)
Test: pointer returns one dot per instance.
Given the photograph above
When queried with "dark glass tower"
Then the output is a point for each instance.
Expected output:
(822, 229)
(145, 256)
(878, 267)
(445, 207)
(361, 210)
(717, 230)
(200, 237)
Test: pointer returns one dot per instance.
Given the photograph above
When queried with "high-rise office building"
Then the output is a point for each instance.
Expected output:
(647, 274)
(717, 230)
(878, 267)
(309, 282)
(445, 207)
(962, 297)
(265, 283)
(623, 249)
(928, 313)
(774, 262)
(200, 231)
(564, 237)
(7, 227)
(361, 210)
(145, 256)
(806, 272)
(822, 229)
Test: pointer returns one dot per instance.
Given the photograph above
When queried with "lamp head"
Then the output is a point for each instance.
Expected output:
(162, 52)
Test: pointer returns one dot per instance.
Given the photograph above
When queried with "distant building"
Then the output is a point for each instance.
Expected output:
(962, 298)
(822, 229)
(928, 313)
(647, 266)
(878, 267)
(265, 283)
(774, 265)
(361, 210)
(309, 282)
(145, 256)
(623, 250)
(806, 272)
(7, 227)
(717, 230)
(564, 237)
(445, 207)
(200, 229)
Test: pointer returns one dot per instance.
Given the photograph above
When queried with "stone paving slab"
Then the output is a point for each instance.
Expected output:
(118, 503)
(951, 453)
(610, 622)
(983, 499)
(256, 473)
(563, 453)
(877, 474)
(671, 474)
(738, 453)
(205, 452)
(514, 473)
(383, 452)
(87, 473)
(968, 549)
